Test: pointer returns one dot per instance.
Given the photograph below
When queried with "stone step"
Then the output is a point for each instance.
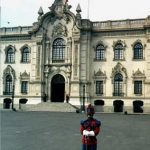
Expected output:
(49, 106)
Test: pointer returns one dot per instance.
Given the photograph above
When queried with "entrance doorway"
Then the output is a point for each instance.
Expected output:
(137, 106)
(99, 105)
(118, 106)
(6, 104)
(58, 88)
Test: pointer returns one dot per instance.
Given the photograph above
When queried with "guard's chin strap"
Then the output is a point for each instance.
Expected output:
(90, 116)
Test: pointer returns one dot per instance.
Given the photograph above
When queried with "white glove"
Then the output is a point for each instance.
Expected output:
(85, 132)
(91, 133)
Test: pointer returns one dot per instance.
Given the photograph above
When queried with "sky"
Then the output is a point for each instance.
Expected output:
(25, 12)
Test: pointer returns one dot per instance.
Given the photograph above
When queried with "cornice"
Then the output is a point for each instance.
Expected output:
(15, 37)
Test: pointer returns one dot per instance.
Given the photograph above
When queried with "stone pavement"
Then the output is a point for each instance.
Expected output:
(60, 131)
(44, 106)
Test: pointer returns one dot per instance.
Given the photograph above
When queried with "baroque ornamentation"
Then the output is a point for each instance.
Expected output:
(119, 69)
(24, 76)
(119, 42)
(9, 71)
(138, 74)
(59, 30)
(99, 75)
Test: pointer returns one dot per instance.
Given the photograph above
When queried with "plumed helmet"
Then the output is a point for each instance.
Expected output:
(90, 110)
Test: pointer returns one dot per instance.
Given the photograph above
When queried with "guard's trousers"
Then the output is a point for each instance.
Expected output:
(89, 147)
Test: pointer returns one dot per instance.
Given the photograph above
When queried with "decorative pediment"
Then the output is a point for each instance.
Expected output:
(59, 30)
(25, 46)
(138, 41)
(59, 7)
(119, 69)
(10, 46)
(138, 74)
(24, 76)
(9, 71)
(119, 42)
(99, 75)
(100, 43)
(59, 10)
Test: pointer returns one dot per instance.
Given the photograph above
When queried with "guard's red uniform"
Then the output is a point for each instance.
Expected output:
(89, 129)
(90, 124)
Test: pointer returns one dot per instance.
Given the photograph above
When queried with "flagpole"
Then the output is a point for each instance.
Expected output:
(0, 13)
(88, 9)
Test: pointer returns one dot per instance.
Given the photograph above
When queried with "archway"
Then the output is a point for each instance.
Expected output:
(58, 88)
(6, 104)
(118, 106)
(137, 106)
(99, 104)
(22, 101)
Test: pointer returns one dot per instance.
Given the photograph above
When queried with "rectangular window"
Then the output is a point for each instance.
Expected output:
(24, 87)
(100, 55)
(8, 88)
(118, 54)
(137, 87)
(118, 91)
(58, 55)
(25, 57)
(99, 87)
(10, 58)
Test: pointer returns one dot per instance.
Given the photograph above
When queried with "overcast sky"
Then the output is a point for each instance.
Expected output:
(24, 12)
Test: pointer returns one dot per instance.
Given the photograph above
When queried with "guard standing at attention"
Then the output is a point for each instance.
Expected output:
(89, 129)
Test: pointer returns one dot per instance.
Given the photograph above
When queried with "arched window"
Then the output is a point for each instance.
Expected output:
(100, 52)
(8, 85)
(118, 85)
(138, 51)
(10, 56)
(118, 52)
(25, 55)
(58, 52)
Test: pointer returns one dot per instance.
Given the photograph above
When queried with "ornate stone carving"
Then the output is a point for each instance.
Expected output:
(138, 41)
(99, 75)
(138, 74)
(9, 71)
(119, 42)
(10, 46)
(59, 7)
(24, 76)
(59, 30)
(119, 69)
(100, 43)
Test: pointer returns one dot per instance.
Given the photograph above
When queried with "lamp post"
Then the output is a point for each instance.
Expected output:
(13, 91)
(83, 106)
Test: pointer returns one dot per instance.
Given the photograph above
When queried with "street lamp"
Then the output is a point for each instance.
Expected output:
(13, 91)
(83, 106)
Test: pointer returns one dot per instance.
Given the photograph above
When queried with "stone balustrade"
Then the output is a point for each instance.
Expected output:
(120, 24)
(15, 30)
(104, 25)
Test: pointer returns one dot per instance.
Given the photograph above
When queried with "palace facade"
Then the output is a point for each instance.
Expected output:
(62, 56)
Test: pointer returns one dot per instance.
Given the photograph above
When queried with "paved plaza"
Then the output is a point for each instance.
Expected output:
(60, 131)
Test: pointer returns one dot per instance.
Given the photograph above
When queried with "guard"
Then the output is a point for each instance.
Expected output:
(89, 129)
